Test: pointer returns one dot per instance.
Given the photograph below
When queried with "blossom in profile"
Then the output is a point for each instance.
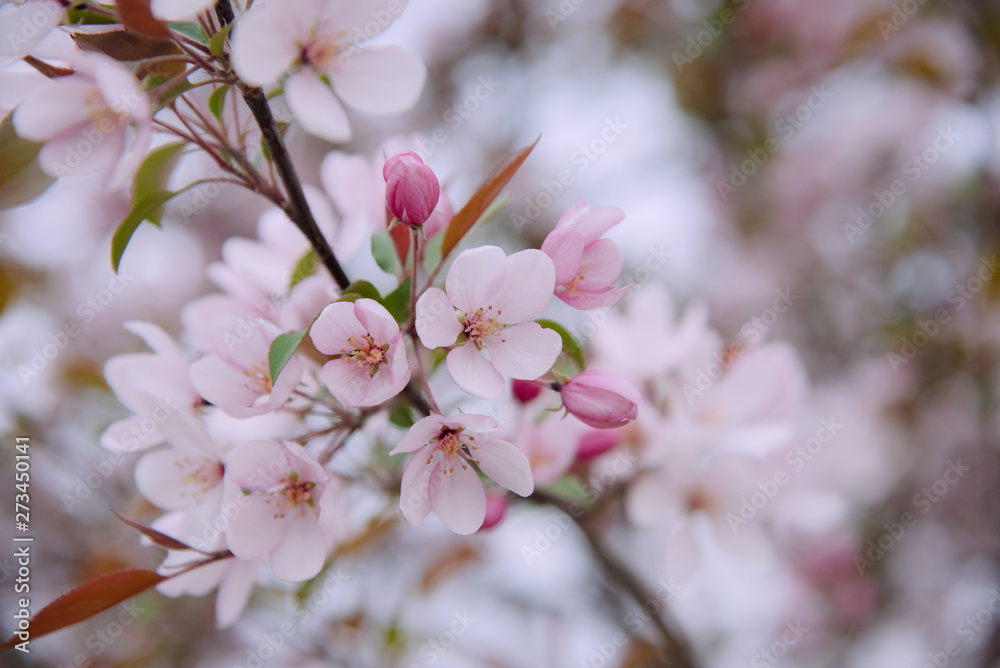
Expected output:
(601, 399)
(486, 296)
(369, 357)
(440, 474)
(411, 188)
(319, 45)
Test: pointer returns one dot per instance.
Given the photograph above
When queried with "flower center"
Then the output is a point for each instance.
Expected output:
(482, 324)
(200, 476)
(298, 492)
(455, 450)
(367, 353)
(258, 379)
(324, 47)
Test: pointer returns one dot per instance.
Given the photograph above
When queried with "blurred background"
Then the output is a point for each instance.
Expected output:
(816, 173)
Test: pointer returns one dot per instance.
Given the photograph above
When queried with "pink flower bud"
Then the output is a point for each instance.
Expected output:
(601, 399)
(496, 508)
(411, 188)
(596, 442)
(525, 390)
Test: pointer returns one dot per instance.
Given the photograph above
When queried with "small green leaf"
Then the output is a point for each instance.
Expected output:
(401, 416)
(571, 346)
(384, 252)
(190, 29)
(304, 268)
(282, 348)
(360, 289)
(432, 252)
(81, 16)
(217, 100)
(142, 209)
(219, 39)
(155, 170)
(398, 301)
(21, 179)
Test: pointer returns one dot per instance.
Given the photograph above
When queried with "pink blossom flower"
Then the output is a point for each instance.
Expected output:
(316, 39)
(601, 399)
(411, 188)
(496, 510)
(440, 476)
(236, 375)
(486, 294)
(287, 511)
(369, 364)
(96, 119)
(586, 265)
(24, 25)
(179, 10)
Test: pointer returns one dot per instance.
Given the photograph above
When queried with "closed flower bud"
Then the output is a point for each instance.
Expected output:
(411, 188)
(601, 399)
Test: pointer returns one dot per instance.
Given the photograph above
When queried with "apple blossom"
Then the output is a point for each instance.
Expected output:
(601, 399)
(440, 476)
(586, 265)
(369, 364)
(288, 513)
(411, 188)
(93, 120)
(24, 25)
(486, 294)
(317, 40)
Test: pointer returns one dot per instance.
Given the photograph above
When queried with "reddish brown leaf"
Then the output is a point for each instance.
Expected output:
(400, 235)
(467, 216)
(161, 539)
(124, 46)
(89, 599)
(137, 17)
(50, 71)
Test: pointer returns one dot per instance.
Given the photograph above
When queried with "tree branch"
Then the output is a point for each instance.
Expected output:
(296, 206)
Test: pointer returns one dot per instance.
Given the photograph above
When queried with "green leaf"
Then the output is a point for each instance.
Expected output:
(282, 348)
(143, 208)
(219, 39)
(384, 252)
(398, 301)
(360, 289)
(190, 29)
(304, 268)
(217, 100)
(21, 179)
(432, 252)
(571, 346)
(480, 201)
(154, 172)
(82, 16)
(401, 416)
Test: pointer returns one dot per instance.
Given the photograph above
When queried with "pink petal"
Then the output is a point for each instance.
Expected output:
(161, 477)
(221, 383)
(261, 50)
(472, 372)
(257, 465)
(601, 265)
(129, 435)
(45, 113)
(505, 465)
(591, 223)
(436, 322)
(288, 379)
(347, 381)
(419, 434)
(458, 498)
(530, 278)
(158, 340)
(385, 80)
(524, 351)
(565, 247)
(316, 107)
(234, 591)
(77, 153)
(414, 493)
(391, 378)
(472, 421)
(376, 320)
(301, 553)
(475, 277)
(178, 10)
(255, 530)
(334, 326)
(592, 299)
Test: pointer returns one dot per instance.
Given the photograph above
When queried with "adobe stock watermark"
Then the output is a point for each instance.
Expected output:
(901, 13)
(797, 458)
(88, 310)
(703, 39)
(958, 297)
(104, 637)
(581, 158)
(46, 15)
(968, 630)
(434, 648)
(779, 648)
(914, 169)
(922, 502)
(784, 129)
(456, 115)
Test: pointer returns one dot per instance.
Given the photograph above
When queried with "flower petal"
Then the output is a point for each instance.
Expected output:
(234, 591)
(301, 553)
(475, 277)
(414, 493)
(316, 107)
(221, 383)
(257, 465)
(565, 247)
(529, 279)
(601, 264)
(387, 80)
(334, 326)
(436, 322)
(255, 530)
(476, 375)
(524, 351)
(505, 465)
(347, 380)
(592, 299)
(591, 223)
(262, 50)
(420, 433)
(376, 320)
(458, 498)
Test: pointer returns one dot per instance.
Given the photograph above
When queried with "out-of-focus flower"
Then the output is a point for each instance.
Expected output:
(411, 188)
(496, 510)
(316, 39)
(601, 399)
(550, 446)
(440, 476)
(179, 10)
(490, 292)
(95, 119)
(24, 25)
(287, 511)
(525, 390)
(586, 265)
(369, 364)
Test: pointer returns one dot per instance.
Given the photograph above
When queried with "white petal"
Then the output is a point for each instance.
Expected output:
(420, 433)
(234, 591)
(414, 493)
(504, 464)
(385, 80)
(524, 351)
(458, 498)
(301, 553)
(472, 372)
(53, 107)
(260, 53)
(529, 279)
(436, 322)
(178, 10)
(475, 276)
(316, 107)
(82, 151)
